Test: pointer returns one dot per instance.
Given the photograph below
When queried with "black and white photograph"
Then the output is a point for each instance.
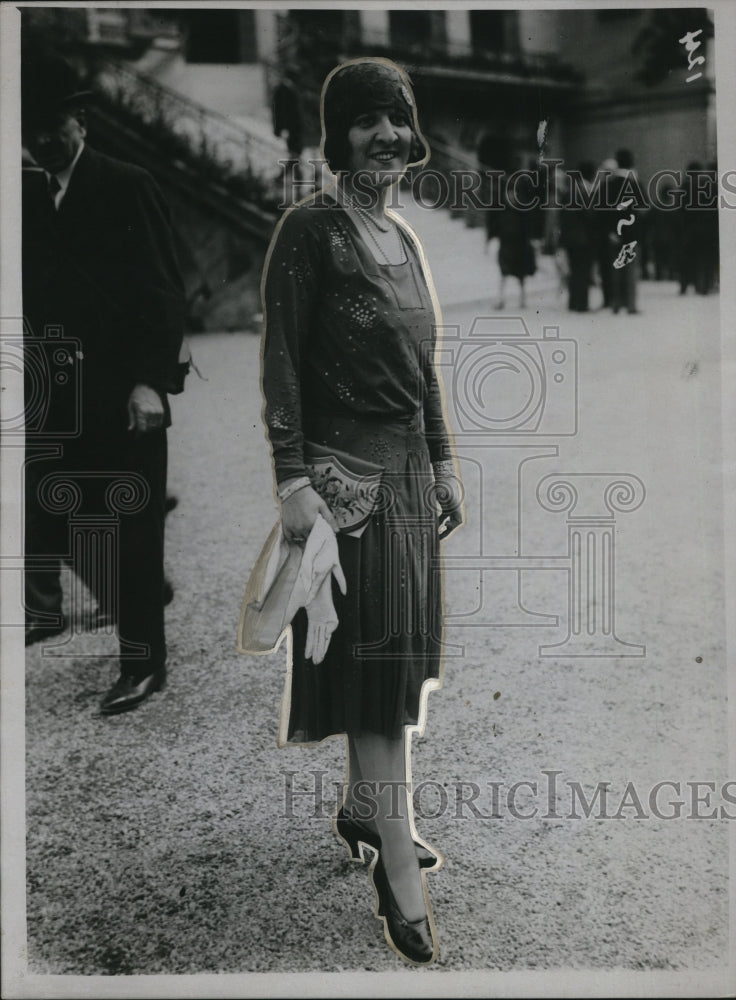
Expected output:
(368, 499)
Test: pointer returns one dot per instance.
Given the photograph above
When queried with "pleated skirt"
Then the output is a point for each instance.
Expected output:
(387, 643)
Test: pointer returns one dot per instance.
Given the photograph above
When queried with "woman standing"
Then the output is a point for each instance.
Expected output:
(515, 250)
(348, 366)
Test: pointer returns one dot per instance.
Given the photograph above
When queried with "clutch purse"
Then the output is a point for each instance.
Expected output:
(263, 614)
(350, 486)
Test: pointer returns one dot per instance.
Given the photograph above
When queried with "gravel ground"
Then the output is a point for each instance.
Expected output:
(159, 842)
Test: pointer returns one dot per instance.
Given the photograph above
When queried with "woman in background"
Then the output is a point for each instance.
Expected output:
(515, 227)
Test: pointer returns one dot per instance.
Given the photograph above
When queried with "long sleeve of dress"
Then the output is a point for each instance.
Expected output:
(435, 428)
(435, 425)
(291, 289)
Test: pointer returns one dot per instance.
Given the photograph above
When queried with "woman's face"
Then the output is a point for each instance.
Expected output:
(380, 144)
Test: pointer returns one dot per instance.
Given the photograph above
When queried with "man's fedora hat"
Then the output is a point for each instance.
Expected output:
(49, 84)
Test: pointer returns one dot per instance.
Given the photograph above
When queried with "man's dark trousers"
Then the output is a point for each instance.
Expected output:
(131, 586)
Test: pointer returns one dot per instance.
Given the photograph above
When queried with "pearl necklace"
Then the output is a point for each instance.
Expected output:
(370, 224)
(365, 214)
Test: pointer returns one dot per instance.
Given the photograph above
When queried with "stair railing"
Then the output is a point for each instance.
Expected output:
(206, 133)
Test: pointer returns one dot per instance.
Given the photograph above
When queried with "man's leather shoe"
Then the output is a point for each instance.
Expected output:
(129, 691)
(35, 631)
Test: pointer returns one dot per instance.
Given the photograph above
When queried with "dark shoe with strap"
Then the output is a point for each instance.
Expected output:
(411, 939)
(129, 691)
(355, 833)
(37, 631)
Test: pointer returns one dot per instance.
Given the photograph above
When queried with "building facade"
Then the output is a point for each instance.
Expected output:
(485, 79)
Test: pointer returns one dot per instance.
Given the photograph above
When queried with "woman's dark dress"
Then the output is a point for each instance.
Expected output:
(348, 361)
(515, 250)
(515, 231)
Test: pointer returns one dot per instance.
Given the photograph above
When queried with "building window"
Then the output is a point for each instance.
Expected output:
(322, 27)
(410, 28)
(487, 31)
(494, 31)
(214, 36)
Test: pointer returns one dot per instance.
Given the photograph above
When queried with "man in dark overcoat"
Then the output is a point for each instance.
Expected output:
(99, 272)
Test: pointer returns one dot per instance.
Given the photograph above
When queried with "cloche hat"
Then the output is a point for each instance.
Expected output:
(357, 87)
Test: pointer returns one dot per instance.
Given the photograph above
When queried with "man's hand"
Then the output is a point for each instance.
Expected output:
(145, 409)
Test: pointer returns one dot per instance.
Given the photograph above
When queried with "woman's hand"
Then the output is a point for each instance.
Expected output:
(449, 494)
(299, 512)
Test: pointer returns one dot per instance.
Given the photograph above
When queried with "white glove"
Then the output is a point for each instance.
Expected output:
(322, 621)
(319, 560)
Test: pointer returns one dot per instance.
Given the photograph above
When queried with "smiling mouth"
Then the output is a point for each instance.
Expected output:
(385, 157)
